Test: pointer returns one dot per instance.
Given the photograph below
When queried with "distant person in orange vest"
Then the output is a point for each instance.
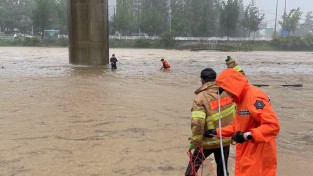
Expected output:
(113, 61)
(166, 65)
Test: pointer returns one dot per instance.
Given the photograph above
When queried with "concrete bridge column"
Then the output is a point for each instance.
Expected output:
(88, 32)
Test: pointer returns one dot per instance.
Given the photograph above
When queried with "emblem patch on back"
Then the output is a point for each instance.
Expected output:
(259, 104)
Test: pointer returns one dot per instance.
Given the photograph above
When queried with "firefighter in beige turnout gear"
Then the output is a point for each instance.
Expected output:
(204, 115)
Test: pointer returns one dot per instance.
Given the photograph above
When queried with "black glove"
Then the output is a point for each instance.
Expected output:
(209, 133)
(238, 137)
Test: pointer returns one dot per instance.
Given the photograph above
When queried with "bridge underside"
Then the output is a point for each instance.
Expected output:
(88, 32)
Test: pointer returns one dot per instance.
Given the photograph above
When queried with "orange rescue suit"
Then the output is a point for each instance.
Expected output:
(254, 114)
(166, 64)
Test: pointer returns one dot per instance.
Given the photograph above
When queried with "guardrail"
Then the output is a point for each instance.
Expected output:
(214, 46)
(133, 37)
(191, 38)
(6, 37)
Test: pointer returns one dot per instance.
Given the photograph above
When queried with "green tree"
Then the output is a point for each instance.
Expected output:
(308, 23)
(203, 12)
(15, 14)
(3, 11)
(61, 14)
(178, 20)
(214, 18)
(41, 14)
(168, 39)
(252, 17)
(8, 19)
(154, 18)
(307, 26)
(24, 16)
(125, 19)
(229, 17)
(241, 31)
(291, 20)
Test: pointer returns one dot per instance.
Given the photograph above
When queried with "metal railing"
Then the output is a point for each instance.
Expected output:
(191, 38)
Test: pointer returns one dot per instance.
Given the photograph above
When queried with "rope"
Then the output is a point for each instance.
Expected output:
(193, 159)
(199, 157)
(220, 132)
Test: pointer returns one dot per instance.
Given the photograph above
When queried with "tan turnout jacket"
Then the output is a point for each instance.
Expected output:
(204, 114)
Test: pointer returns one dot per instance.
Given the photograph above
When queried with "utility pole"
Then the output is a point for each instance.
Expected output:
(114, 22)
(275, 19)
(170, 15)
(285, 7)
(284, 20)
(138, 16)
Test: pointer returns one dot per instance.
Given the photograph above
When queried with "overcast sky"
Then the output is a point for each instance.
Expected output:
(269, 8)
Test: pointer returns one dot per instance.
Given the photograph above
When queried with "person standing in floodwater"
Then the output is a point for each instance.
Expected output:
(205, 114)
(166, 65)
(255, 127)
(113, 61)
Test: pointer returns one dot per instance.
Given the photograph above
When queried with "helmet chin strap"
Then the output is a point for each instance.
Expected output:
(220, 129)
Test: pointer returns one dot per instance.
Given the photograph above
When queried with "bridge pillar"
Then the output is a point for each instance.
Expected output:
(88, 32)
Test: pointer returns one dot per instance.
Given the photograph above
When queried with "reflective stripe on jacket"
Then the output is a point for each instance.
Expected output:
(204, 114)
(237, 68)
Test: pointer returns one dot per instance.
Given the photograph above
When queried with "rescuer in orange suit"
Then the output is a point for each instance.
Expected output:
(166, 65)
(255, 127)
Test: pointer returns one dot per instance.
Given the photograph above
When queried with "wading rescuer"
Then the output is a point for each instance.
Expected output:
(166, 65)
(255, 127)
(204, 115)
(113, 61)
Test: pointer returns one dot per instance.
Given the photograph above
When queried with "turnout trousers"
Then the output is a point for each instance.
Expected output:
(198, 158)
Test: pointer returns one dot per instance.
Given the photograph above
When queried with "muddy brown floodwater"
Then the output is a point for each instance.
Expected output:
(58, 119)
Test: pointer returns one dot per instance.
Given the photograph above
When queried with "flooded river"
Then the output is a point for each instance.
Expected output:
(62, 119)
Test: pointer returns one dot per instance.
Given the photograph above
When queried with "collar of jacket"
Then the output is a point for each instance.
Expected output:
(205, 86)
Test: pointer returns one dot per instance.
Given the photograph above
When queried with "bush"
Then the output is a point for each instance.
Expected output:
(114, 43)
(63, 42)
(168, 39)
(308, 40)
(143, 43)
(31, 41)
(294, 43)
(25, 41)
(6, 42)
